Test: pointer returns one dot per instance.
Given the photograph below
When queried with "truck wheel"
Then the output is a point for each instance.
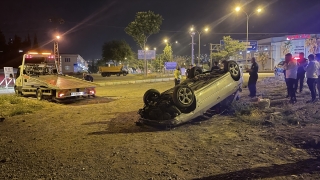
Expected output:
(234, 70)
(103, 74)
(108, 74)
(39, 94)
(150, 96)
(17, 92)
(183, 96)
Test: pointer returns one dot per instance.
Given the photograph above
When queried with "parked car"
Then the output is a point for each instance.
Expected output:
(200, 92)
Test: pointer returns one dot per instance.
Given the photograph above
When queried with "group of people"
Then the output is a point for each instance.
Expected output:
(295, 72)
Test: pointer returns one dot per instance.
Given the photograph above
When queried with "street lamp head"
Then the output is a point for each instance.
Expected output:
(176, 42)
(238, 8)
(155, 48)
(259, 10)
(147, 48)
(165, 40)
(191, 29)
(206, 29)
(58, 37)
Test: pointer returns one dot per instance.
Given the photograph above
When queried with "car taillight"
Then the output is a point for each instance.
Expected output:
(28, 56)
(60, 94)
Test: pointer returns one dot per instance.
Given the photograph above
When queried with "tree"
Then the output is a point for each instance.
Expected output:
(144, 25)
(230, 48)
(263, 58)
(313, 44)
(286, 47)
(167, 53)
(116, 51)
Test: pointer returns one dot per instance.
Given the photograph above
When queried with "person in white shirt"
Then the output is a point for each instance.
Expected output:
(291, 68)
(311, 68)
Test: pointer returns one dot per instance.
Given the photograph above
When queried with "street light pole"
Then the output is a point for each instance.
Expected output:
(248, 16)
(192, 33)
(199, 49)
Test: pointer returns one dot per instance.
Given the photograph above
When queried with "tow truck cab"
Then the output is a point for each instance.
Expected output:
(38, 76)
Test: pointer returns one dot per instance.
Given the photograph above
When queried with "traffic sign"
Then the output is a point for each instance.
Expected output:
(252, 45)
(150, 54)
(170, 65)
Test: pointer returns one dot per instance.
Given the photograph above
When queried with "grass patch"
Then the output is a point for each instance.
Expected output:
(11, 105)
(247, 113)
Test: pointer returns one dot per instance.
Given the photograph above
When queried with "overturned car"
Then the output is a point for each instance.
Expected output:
(199, 93)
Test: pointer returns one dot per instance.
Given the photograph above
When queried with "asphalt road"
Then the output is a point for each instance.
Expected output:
(99, 79)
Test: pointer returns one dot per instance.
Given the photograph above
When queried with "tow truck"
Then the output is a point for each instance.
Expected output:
(38, 76)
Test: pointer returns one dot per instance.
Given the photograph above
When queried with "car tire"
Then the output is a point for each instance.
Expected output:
(183, 96)
(103, 74)
(39, 94)
(194, 71)
(150, 96)
(234, 70)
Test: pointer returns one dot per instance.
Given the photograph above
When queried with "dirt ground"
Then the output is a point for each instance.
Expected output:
(98, 139)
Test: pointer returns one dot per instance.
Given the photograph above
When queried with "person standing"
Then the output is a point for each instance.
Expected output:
(318, 73)
(253, 72)
(177, 76)
(291, 68)
(301, 73)
(311, 68)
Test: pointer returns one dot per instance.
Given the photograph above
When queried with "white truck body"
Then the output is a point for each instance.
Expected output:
(38, 76)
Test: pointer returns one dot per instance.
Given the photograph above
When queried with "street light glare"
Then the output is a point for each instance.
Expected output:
(238, 8)
(191, 29)
(155, 48)
(206, 29)
(165, 40)
(176, 42)
(259, 10)
(147, 48)
(58, 37)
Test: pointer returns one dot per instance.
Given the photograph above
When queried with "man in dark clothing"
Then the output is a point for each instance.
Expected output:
(215, 66)
(301, 72)
(285, 79)
(87, 77)
(253, 71)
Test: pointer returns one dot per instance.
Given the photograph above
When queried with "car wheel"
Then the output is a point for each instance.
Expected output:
(193, 72)
(234, 70)
(150, 96)
(103, 74)
(39, 94)
(183, 96)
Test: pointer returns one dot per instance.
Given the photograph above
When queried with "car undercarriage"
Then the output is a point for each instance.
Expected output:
(192, 98)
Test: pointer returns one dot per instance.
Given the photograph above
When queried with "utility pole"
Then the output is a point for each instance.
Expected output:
(57, 21)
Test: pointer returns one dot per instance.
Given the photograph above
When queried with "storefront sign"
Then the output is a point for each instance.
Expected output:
(298, 36)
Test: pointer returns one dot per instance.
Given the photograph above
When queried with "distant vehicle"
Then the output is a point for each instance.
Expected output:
(38, 76)
(279, 67)
(112, 70)
(200, 92)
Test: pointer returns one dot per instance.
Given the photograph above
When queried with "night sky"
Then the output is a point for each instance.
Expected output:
(88, 24)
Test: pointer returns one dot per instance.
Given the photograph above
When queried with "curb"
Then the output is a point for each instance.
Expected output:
(135, 82)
